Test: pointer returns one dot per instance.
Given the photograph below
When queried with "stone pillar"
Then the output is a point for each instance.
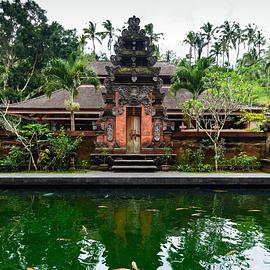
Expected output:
(158, 130)
(121, 126)
(146, 127)
(109, 133)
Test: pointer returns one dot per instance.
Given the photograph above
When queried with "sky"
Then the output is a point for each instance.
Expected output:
(172, 17)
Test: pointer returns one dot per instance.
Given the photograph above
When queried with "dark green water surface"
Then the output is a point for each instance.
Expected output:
(158, 229)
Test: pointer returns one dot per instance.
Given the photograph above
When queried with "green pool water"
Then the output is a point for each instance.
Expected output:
(158, 229)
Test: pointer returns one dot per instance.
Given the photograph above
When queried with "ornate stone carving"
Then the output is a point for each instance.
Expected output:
(157, 130)
(134, 24)
(134, 96)
(110, 132)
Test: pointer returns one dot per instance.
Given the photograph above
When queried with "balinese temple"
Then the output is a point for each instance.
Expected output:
(133, 115)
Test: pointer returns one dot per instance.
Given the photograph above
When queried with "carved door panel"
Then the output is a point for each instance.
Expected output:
(133, 134)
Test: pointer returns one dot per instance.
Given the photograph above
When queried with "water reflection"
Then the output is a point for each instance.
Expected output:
(179, 229)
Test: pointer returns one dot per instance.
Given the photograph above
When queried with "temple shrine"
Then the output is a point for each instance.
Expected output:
(134, 118)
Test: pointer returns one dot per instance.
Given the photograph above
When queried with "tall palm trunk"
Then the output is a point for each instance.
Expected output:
(94, 46)
(72, 113)
(238, 51)
(190, 53)
(72, 120)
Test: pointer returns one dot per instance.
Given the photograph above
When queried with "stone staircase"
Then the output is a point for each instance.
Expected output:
(134, 163)
(130, 162)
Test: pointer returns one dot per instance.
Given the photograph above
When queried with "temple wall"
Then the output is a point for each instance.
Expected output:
(253, 144)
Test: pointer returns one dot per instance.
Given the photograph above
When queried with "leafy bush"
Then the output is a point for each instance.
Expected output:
(60, 148)
(241, 162)
(193, 161)
(84, 164)
(15, 161)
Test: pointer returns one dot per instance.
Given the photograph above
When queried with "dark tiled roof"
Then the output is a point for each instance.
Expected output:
(167, 69)
(89, 98)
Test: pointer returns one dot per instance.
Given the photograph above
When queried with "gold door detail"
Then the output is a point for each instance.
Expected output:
(133, 134)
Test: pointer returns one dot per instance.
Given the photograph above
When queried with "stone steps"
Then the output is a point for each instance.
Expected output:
(134, 165)
(134, 168)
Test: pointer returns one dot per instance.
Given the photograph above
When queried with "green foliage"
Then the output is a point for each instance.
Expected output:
(15, 161)
(27, 43)
(193, 161)
(60, 148)
(50, 151)
(190, 76)
(257, 119)
(154, 37)
(167, 154)
(241, 162)
(84, 164)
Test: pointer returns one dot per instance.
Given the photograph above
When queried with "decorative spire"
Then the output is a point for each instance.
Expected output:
(134, 24)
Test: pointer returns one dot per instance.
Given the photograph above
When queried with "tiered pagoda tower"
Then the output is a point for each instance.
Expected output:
(134, 119)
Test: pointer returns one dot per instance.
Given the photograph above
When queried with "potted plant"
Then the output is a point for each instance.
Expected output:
(104, 152)
(166, 156)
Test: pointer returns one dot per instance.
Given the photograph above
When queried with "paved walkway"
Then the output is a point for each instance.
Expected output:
(135, 179)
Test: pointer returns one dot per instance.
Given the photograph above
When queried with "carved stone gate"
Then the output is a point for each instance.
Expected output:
(133, 85)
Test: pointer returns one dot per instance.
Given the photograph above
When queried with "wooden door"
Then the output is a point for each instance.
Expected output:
(133, 134)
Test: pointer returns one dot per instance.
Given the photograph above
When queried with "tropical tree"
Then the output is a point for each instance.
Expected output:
(238, 39)
(69, 75)
(27, 43)
(154, 37)
(200, 44)
(92, 34)
(208, 32)
(228, 32)
(82, 43)
(191, 41)
(259, 41)
(169, 56)
(190, 76)
(225, 93)
(250, 35)
(110, 33)
(216, 51)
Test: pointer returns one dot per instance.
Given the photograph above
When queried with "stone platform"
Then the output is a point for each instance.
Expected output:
(112, 179)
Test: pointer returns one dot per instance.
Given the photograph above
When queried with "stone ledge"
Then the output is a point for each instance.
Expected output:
(165, 179)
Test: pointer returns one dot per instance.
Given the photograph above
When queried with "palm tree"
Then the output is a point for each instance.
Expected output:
(239, 38)
(92, 34)
(208, 32)
(191, 41)
(110, 33)
(216, 51)
(259, 41)
(250, 34)
(154, 37)
(169, 56)
(69, 75)
(82, 43)
(200, 44)
(228, 32)
(190, 76)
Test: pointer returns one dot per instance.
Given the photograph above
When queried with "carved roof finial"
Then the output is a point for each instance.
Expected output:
(134, 24)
